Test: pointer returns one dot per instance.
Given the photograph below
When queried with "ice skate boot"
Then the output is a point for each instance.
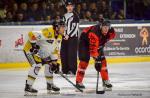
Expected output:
(52, 89)
(80, 85)
(107, 86)
(29, 91)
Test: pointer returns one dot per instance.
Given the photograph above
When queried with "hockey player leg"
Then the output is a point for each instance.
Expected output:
(105, 78)
(80, 74)
(51, 87)
(32, 75)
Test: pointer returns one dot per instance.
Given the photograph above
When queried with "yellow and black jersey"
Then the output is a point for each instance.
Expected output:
(46, 38)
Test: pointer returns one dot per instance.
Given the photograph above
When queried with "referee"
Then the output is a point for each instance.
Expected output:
(70, 41)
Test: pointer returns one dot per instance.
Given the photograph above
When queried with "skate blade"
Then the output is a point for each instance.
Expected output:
(30, 94)
(53, 92)
(87, 90)
(107, 89)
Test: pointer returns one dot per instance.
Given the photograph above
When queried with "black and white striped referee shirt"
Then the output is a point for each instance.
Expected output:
(72, 24)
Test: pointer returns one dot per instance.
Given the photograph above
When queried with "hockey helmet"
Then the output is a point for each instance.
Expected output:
(57, 24)
(105, 23)
(69, 2)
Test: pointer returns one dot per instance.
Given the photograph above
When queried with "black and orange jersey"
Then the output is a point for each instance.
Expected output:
(94, 38)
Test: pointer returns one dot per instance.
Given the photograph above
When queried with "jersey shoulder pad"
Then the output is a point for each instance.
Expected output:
(87, 29)
(48, 32)
(31, 36)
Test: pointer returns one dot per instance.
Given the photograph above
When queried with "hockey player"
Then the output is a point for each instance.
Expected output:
(91, 44)
(42, 48)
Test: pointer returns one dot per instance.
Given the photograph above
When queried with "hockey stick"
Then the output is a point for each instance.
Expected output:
(71, 82)
(97, 91)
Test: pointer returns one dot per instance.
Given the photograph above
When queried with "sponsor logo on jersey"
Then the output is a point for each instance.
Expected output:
(33, 38)
(49, 35)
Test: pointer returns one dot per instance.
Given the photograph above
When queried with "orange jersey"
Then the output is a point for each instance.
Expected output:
(96, 39)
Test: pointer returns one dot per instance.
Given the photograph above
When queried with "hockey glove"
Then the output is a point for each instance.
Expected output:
(55, 67)
(98, 65)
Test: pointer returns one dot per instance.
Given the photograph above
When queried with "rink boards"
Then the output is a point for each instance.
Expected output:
(126, 47)
(110, 60)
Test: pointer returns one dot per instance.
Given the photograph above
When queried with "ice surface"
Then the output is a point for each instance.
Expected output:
(130, 80)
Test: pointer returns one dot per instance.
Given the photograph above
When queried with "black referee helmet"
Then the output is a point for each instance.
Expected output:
(69, 2)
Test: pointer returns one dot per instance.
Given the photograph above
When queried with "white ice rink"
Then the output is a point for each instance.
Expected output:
(130, 80)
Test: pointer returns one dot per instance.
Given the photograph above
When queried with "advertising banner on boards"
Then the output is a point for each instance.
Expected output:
(131, 40)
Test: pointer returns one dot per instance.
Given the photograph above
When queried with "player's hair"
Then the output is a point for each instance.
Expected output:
(104, 23)
(56, 24)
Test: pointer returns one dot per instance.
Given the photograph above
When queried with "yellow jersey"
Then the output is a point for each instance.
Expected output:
(47, 39)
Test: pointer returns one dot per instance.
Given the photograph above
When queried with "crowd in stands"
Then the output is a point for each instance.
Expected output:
(88, 10)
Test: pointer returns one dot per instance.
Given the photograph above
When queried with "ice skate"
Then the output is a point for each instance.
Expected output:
(80, 85)
(29, 91)
(107, 86)
(52, 89)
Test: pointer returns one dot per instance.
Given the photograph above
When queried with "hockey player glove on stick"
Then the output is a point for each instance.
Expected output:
(55, 67)
(98, 64)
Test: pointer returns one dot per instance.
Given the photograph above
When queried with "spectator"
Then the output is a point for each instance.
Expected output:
(48, 18)
(93, 10)
(121, 15)
(88, 16)
(14, 9)
(34, 14)
(78, 9)
(52, 9)
(37, 10)
(9, 17)
(83, 10)
(113, 15)
(57, 18)
(45, 13)
(100, 17)
(19, 17)
(24, 10)
(103, 8)
(2, 14)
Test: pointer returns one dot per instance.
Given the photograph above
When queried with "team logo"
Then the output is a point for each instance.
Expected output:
(49, 35)
(144, 34)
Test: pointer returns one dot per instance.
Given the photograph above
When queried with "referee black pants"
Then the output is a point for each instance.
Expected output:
(69, 55)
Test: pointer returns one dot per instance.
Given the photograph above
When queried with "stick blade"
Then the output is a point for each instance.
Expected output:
(100, 92)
